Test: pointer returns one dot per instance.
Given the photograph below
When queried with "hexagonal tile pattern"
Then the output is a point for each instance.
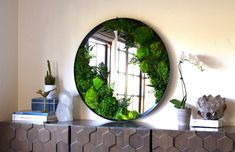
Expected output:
(225, 144)
(80, 136)
(210, 143)
(30, 137)
(55, 137)
(127, 148)
(97, 137)
(113, 139)
(181, 141)
(155, 138)
(195, 142)
(7, 133)
(173, 149)
(166, 141)
(89, 147)
(43, 135)
(21, 142)
(109, 139)
(191, 141)
(62, 147)
(197, 150)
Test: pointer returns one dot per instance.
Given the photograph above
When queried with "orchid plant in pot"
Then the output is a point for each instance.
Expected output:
(183, 111)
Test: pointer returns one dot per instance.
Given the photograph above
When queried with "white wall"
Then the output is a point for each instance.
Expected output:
(54, 29)
(8, 58)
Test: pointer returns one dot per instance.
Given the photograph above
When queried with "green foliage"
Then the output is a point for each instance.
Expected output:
(105, 90)
(133, 115)
(98, 83)
(143, 35)
(178, 103)
(102, 71)
(125, 27)
(83, 71)
(91, 98)
(107, 107)
(151, 53)
(142, 53)
(152, 59)
(49, 78)
(123, 113)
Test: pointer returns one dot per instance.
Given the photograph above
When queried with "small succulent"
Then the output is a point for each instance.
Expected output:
(49, 78)
(211, 108)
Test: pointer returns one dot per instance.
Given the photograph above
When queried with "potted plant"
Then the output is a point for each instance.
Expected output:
(183, 111)
(44, 94)
(49, 82)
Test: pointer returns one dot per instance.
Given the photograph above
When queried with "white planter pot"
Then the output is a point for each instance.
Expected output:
(184, 116)
(52, 94)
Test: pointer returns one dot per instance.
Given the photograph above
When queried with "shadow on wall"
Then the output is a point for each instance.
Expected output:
(211, 62)
(229, 114)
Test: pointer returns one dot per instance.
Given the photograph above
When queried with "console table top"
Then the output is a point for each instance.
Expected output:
(134, 124)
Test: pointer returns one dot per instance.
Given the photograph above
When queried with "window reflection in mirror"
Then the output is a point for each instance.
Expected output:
(125, 76)
(121, 69)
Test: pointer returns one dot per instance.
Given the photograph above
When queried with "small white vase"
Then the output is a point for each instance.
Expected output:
(52, 94)
(184, 116)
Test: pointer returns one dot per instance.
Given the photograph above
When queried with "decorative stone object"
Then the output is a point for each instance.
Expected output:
(64, 111)
(211, 108)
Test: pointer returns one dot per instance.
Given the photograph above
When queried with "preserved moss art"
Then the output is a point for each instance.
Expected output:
(151, 56)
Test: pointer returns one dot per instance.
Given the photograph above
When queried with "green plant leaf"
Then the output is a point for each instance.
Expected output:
(143, 35)
(91, 98)
(97, 82)
(107, 107)
(176, 102)
(132, 115)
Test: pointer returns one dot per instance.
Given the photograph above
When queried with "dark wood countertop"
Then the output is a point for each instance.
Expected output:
(134, 124)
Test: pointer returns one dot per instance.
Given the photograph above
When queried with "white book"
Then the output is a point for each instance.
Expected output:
(206, 123)
(33, 118)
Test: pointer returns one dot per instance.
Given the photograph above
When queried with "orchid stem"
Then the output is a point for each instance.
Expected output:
(184, 91)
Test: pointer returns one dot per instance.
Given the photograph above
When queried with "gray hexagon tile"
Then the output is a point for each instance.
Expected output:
(195, 142)
(225, 144)
(166, 141)
(210, 143)
(181, 141)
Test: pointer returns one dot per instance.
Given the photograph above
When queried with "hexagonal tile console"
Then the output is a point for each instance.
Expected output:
(109, 139)
(77, 137)
(195, 141)
(20, 137)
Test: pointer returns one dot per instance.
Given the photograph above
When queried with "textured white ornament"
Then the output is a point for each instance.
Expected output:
(212, 108)
(64, 111)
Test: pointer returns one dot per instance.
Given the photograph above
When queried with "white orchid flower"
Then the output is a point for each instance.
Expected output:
(193, 59)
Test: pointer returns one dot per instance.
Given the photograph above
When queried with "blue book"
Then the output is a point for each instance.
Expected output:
(37, 104)
(38, 113)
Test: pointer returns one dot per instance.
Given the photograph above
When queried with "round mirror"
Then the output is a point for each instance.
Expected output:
(121, 69)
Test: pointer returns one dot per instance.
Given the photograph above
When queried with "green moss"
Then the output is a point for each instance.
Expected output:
(91, 98)
(107, 107)
(152, 59)
(97, 83)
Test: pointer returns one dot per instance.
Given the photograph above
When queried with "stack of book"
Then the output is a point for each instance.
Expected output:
(34, 116)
